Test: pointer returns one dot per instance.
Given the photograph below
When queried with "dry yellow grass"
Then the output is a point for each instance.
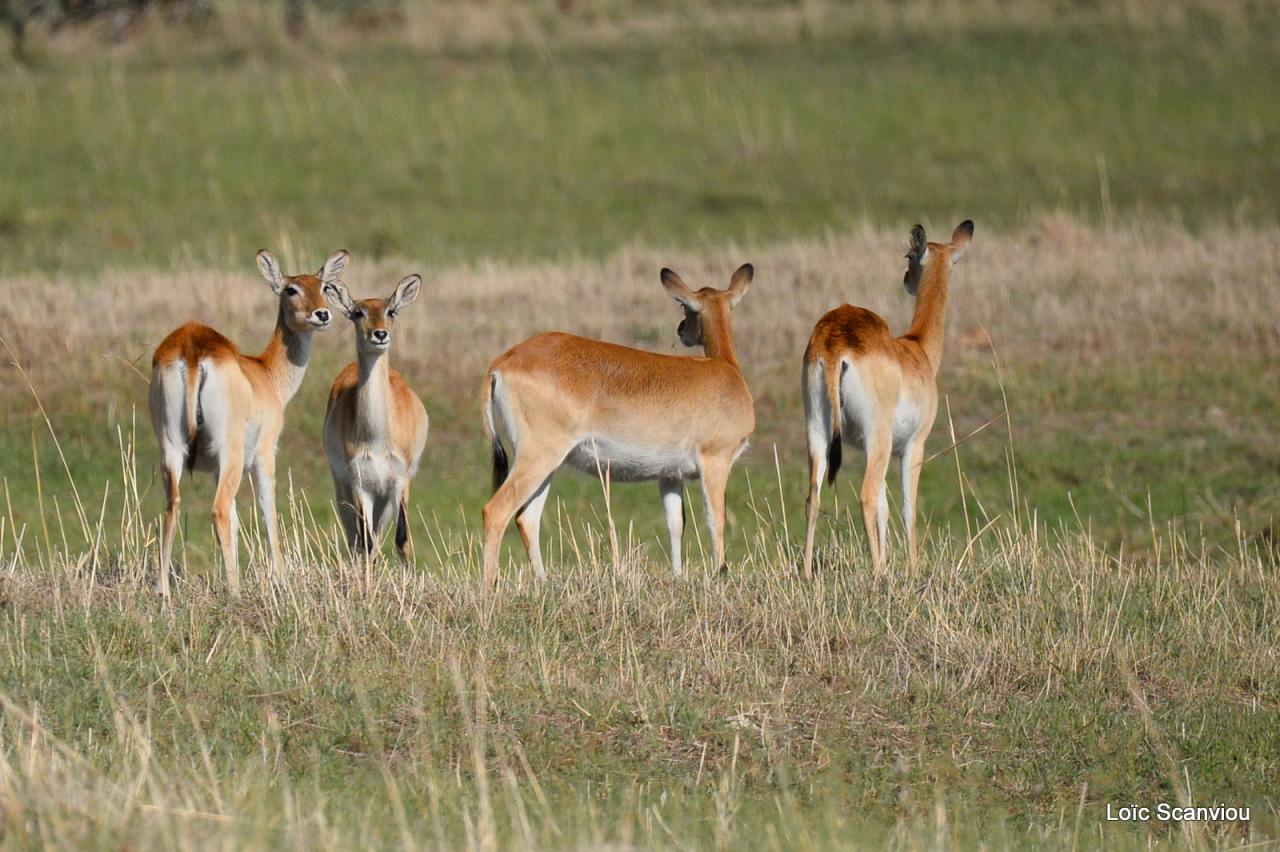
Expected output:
(1056, 288)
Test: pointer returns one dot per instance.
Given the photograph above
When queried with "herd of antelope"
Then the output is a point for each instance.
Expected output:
(555, 399)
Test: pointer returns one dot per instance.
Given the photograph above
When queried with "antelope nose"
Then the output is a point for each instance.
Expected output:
(380, 335)
(322, 315)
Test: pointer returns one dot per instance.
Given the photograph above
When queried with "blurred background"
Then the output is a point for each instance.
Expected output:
(1113, 333)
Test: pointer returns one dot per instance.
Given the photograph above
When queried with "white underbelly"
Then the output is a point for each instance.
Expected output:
(632, 462)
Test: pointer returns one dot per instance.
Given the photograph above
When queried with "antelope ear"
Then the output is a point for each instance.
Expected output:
(336, 292)
(406, 292)
(270, 269)
(333, 267)
(679, 291)
(960, 239)
(740, 283)
(917, 252)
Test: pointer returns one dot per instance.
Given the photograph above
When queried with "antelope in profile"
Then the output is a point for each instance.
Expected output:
(215, 409)
(375, 427)
(623, 413)
(878, 391)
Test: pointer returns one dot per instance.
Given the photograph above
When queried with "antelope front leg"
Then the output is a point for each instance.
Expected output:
(912, 461)
(366, 539)
(672, 491)
(263, 473)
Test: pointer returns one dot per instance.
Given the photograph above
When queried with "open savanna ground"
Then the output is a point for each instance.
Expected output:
(1096, 615)
(1115, 380)
(1095, 620)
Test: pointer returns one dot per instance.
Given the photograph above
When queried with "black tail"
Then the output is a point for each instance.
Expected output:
(833, 457)
(832, 374)
(500, 464)
(402, 530)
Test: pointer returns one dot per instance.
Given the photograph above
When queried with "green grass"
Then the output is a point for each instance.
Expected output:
(522, 153)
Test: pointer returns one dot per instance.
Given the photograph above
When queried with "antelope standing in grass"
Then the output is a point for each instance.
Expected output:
(862, 384)
(375, 427)
(215, 409)
(619, 412)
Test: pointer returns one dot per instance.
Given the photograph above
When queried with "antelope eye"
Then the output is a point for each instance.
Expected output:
(291, 291)
(391, 314)
(358, 315)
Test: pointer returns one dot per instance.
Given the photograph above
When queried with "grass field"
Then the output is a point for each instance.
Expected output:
(526, 152)
(1095, 620)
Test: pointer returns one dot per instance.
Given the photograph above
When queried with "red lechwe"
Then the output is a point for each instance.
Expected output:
(215, 409)
(375, 427)
(621, 413)
(880, 392)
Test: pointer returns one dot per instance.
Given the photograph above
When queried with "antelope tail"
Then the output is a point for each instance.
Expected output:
(193, 411)
(832, 371)
(500, 463)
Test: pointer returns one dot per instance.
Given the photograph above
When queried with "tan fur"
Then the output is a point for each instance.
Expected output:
(375, 428)
(896, 378)
(226, 413)
(670, 418)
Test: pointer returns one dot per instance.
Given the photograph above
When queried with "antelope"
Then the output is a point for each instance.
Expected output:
(879, 391)
(215, 409)
(375, 427)
(619, 412)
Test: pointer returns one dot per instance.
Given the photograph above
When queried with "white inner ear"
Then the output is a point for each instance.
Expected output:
(341, 296)
(270, 270)
(406, 292)
(334, 266)
(683, 295)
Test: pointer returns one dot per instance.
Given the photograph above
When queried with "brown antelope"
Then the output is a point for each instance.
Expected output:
(621, 413)
(879, 391)
(215, 409)
(375, 427)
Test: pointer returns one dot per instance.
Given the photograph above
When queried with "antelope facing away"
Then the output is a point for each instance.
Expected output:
(619, 412)
(215, 409)
(375, 427)
(878, 391)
